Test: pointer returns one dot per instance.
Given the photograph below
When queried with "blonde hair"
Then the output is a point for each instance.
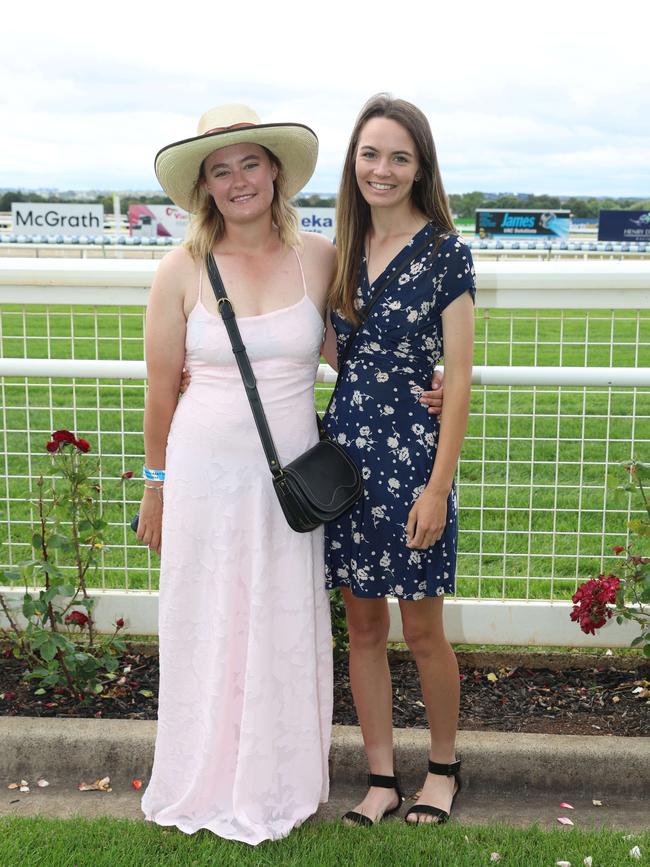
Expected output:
(207, 225)
(353, 212)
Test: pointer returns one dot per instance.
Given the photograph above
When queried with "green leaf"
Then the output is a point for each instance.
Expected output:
(48, 651)
(147, 693)
(40, 691)
(58, 540)
(636, 641)
(12, 576)
(28, 606)
(619, 618)
(40, 637)
(84, 526)
(646, 650)
(50, 568)
(98, 688)
(37, 541)
(66, 590)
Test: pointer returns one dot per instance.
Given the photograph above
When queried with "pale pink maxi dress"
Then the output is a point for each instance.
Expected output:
(245, 704)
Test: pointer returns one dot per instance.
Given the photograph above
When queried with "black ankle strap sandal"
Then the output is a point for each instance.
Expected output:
(440, 816)
(382, 782)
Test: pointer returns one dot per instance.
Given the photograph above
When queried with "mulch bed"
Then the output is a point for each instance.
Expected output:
(573, 700)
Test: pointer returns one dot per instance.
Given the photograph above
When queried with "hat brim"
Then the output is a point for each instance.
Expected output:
(296, 146)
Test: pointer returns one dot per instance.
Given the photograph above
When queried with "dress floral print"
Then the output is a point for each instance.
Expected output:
(375, 414)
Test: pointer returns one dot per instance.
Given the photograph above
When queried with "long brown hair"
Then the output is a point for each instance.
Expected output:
(207, 225)
(353, 212)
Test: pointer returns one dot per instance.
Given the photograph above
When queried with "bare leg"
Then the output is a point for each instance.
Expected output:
(372, 692)
(436, 661)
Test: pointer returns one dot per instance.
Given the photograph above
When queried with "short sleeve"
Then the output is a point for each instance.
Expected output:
(454, 272)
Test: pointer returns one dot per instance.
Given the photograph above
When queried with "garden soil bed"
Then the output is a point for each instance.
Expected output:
(599, 697)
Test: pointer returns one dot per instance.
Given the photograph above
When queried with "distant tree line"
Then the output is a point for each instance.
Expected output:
(463, 205)
(7, 198)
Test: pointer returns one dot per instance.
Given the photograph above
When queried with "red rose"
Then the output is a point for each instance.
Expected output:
(52, 446)
(63, 436)
(618, 549)
(119, 623)
(127, 474)
(591, 600)
(77, 618)
(82, 445)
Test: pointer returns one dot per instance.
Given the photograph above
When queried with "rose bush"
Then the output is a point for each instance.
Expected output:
(624, 593)
(59, 643)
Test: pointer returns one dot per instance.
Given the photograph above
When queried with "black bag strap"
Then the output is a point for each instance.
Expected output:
(244, 364)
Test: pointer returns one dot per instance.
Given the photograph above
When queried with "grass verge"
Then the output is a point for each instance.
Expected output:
(98, 842)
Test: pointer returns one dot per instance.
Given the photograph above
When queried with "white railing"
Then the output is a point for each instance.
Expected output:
(561, 396)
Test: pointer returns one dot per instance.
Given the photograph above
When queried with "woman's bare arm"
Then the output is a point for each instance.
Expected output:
(428, 516)
(165, 353)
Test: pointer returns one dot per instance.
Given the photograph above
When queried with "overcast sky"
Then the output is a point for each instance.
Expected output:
(543, 97)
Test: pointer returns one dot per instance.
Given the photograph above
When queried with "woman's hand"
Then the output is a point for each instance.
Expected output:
(186, 378)
(433, 399)
(427, 519)
(150, 520)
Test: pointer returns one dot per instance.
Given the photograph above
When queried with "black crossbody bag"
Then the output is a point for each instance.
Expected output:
(324, 482)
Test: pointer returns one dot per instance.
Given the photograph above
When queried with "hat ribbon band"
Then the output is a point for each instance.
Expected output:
(225, 128)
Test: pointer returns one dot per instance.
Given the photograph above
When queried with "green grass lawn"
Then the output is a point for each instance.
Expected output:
(35, 842)
(536, 512)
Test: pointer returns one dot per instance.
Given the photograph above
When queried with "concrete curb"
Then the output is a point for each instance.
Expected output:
(593, 766)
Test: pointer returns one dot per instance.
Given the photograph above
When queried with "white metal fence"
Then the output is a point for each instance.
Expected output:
(561, 397)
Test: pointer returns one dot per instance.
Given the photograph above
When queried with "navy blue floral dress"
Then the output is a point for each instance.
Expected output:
(376, 415)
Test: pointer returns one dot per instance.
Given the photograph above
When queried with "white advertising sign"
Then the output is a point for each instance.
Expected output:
(43, 218)
(319, 220)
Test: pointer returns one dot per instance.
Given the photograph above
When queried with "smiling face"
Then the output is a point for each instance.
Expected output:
(386, 163)
(240, 180)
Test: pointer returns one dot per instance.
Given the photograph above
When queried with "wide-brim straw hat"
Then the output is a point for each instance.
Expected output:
(177, 165)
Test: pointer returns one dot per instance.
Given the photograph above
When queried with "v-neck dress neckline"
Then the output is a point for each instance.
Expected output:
(396, 260)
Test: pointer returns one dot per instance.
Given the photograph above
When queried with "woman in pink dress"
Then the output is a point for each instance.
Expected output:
(245, 644)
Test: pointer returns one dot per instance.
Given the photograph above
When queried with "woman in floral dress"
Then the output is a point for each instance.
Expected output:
(399, 540)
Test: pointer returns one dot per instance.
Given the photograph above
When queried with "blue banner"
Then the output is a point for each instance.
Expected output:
(630, 226)
(515, 223)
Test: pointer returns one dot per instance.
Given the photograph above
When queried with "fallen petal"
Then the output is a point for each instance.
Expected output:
(13, 786)
(137, 784)
(98, 786)
(24, 783)
(635, 852)
(492, 677)
(42, 783)
(588, 861)
(562, 864)
(24, 788)
(495, 856)
(597, 803)
(564, 821)
(567, 806)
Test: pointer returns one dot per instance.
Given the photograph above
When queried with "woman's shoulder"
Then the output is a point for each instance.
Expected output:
(176, 269)
(450, 243)
(314, 244)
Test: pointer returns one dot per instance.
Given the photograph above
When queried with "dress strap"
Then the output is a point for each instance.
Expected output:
(302, 273)
(201, 284)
